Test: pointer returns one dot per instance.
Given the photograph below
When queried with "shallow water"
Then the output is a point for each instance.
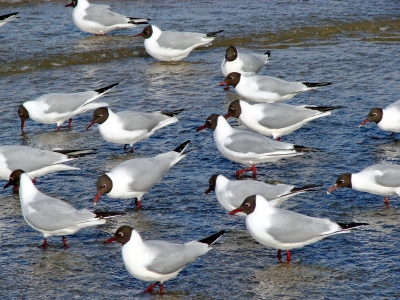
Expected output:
(354, 44)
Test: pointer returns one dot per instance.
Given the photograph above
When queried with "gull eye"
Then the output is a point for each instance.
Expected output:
(231, 108)
(120, 234)
(374, 114)
(208, 121)
(99, 116)
(104, 185)
(341, 181)
(231, 77)
(247, 204)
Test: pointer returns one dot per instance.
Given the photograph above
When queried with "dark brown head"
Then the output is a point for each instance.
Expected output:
(211, 123)
(23, 115)
(100, 115)
(104, 185)
(147, 32)
(375, 115)
(231, 53)
(122, 235)
(234, 110)
(343, 180)
(248, 206)
(74, 3)
(212, 182)
(15, 178)
(231, 79)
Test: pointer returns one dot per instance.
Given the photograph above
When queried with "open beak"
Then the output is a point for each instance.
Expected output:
(364, 122)
(90, 124)
(110, 240)
(334, 187)
(201, 128)
(235, 211)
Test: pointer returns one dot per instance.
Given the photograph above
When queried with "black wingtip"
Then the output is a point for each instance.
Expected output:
(268, 53)
(351, 225)
(76, 152)
(316, 84)
(324, 108)
(213, 34)
(7, 16)
(212, 238)
(108, 214)
(172, 113)
(304, 188)
(107, 88)
(298, 148)
(181, 147)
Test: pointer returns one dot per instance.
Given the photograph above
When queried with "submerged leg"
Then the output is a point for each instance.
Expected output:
(278, 139)
(131, 150)
(151, 287)
(287, 255)
(279, 254)
(64, 240)
(137, 203)
(386, 201)
(44, 243)
(70, 122)
(58, 128)
(161, 288)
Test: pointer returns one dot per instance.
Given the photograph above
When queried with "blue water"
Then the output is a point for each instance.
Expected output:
(353, 44)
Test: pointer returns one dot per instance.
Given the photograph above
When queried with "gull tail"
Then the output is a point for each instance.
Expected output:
(213, 34)
(304, 188)
(172, 113)
(323, 108)
(108, 214)
(76, 152)
(138, 21)
(182, 147)
(212, 238)
(298, 148)
(106, 89)
(351, 225)
(316, 84)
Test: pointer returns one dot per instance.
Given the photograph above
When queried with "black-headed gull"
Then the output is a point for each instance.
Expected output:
(387, 119)
(243, 63)
(246, 147)
(156, 260)
(276, 119)
(34, 161)
(282, 229)
(133, 178)
(99, 19)
(173, 45)
(52, 216)
(258, 88)
(377, 179)
(231, 193)
(129, 127)
(8, 17)
(59, 107)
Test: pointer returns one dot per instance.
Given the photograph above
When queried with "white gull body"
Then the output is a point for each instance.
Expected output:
(244, 63)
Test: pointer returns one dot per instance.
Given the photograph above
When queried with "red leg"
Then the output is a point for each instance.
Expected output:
(64, 240)
(253, 169)
(386, 201)
(151, 287)
(161, 288)
(15, 190)
(58, 128)
(278, 139)
(137, 203)
(44, 243)
(279, 254)
(70, 122)
(131, 150)
(34, 180)
(287, 255)
(226, 87)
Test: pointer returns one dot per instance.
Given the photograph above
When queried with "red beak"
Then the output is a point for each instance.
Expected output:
(139, 34)
(68, 4)
(90, 124)
(96, 198)
(201, 128)
(110, 240)
(227, 116)
(235, 211)
(364, 122)
(334, 187)
(209, 190)
(222, 83)
(22, 125)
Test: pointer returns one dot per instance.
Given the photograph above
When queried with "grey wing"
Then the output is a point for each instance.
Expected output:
(30, 159)
(249, 142)
(278, 115)
(133, 120)
(279, 86)
(388, 175)
(290, 227)
(251, 63)
(63, 103)
(173, 257)
(180, 40)
(102, 15)
(54, 214)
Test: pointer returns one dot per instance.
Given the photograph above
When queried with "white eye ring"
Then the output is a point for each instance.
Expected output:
(120, 234)
(100, 116)
(104, 185)
(341, 181)
(247, 204)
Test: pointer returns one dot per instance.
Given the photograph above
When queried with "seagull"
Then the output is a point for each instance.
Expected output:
(52, 216)
(129, 127)
(377, 179)
(268, 89)
(231, 193)
(59, 107)
(35, 161)
(173, 45)
(156, 260)
(133, 178)
(276, 119)
(246, 147)
(8, 17)
(387, 119)
(243, 63)
(282, 229)
(99, 19)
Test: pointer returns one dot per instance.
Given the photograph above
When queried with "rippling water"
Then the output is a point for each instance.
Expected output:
(354, 44)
